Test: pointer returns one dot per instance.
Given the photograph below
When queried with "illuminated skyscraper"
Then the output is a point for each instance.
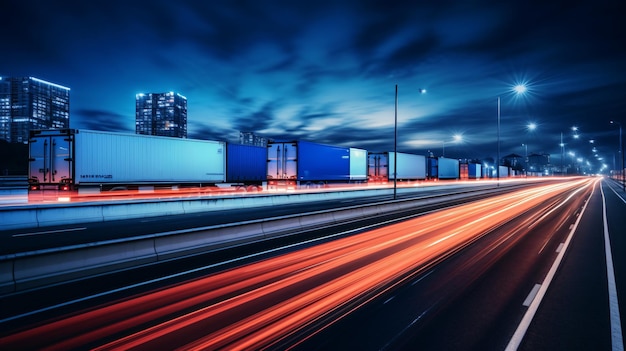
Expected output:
(163, 114)
(28, 103)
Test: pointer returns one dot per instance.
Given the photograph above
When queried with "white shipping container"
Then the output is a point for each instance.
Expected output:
(504, 172)
(410, 166)
(105, 157)
(358, 164)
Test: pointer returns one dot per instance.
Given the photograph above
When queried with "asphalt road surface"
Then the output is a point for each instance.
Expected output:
(464, 277)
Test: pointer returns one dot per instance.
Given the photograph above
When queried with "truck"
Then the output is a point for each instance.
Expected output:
(505, 171)
(304, 164)
(470, 170)
(432, 168)
(410, 167)
(246, 166)
(448, 168)
(89, 161)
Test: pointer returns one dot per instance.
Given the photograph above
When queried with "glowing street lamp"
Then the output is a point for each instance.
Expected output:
(518, 89)
(530, 127)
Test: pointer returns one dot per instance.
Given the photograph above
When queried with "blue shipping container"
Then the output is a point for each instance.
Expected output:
(448, 168)
(318, 162)
(432, 168)
(246, 163)
(475, 171)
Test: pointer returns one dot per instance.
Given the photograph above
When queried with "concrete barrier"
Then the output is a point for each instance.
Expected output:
(57, 215)
(34, 216)
(186, 243)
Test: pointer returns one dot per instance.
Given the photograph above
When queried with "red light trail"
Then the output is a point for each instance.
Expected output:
(262, 303)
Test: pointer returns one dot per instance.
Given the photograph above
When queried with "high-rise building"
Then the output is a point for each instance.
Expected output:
(163, 114)
(28, 103)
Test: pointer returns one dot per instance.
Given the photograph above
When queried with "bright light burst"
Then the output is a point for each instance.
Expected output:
(520, 88)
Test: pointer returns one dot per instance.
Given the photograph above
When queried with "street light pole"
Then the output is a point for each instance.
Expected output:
(562, 153)
(498, 160)
(526, 159)
(395, 148)
(621, 151)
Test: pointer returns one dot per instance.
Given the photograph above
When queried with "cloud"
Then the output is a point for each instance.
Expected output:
(93, 119)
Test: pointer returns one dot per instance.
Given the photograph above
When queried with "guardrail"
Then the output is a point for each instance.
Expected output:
(13, 190)
(31, 269)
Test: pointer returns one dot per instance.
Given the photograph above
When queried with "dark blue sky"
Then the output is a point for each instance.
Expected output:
(325, 71)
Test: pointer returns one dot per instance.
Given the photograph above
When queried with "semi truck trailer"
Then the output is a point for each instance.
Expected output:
(410, 167)
(448, 168)
(297, 164)
(94, 161)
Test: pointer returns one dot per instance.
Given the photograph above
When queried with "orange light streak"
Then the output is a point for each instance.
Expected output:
(259, 304)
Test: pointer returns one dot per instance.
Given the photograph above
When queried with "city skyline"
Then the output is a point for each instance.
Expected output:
(327, 72)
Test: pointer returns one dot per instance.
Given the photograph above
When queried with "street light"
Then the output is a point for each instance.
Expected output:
(530, 127)
(562, 145)
(518, 89)
(621, 150)
(575, 130)
(395, 143)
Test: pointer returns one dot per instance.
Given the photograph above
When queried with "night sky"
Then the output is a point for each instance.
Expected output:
(326, 71)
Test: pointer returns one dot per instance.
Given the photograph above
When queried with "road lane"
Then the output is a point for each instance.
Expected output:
(574, 313)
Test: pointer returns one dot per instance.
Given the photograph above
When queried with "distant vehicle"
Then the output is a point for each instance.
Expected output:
(470, 170)
(381, 167)
(94, 161)
(448, 168)
(304, 164)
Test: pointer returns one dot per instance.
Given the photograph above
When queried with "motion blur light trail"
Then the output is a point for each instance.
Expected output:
(260, 304)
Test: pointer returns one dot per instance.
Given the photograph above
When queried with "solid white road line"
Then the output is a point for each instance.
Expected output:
(617, 342)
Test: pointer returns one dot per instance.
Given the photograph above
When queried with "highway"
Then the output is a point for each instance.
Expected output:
(22, 240)
(463, 277)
